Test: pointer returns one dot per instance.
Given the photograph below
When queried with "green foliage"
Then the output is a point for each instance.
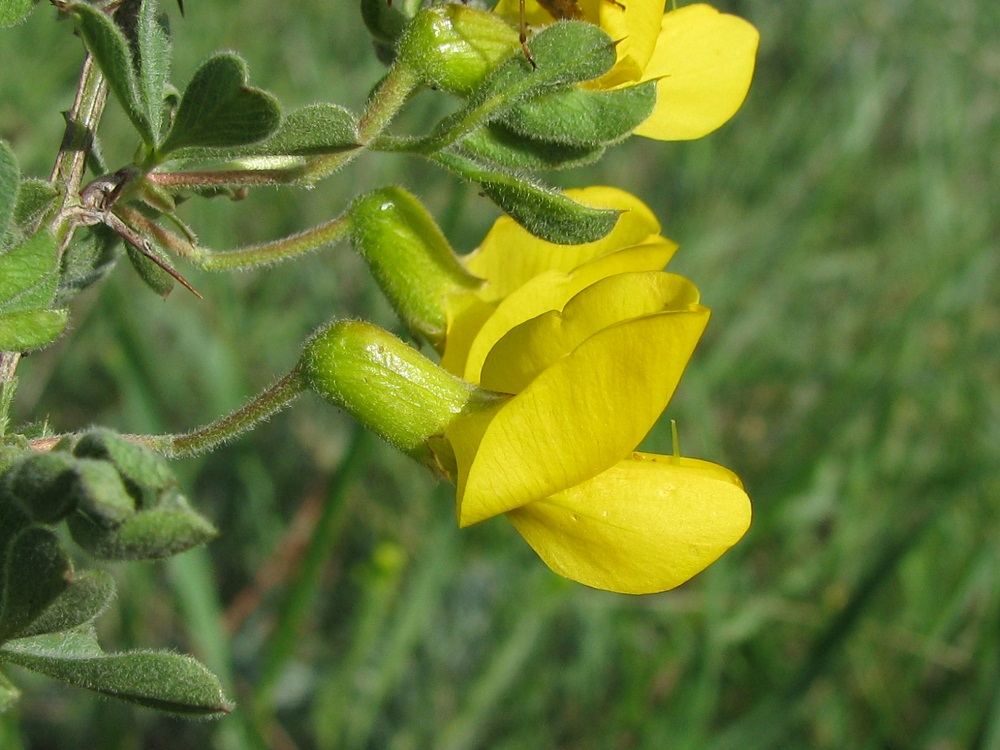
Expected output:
(543, 211)
(218, 109)
(313, 130)
(110, 48)
(36, 571)
(13, 12)
(121, 501)
(9, 176)
(578, 117)
(28, 281)
(160, 680)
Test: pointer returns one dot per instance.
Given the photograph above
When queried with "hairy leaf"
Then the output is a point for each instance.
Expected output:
(218, 109)
(580, 117)
(143, 471)
(81, 602)
(500, 146)
(42, 483)
(153, 65)
(168, 529)
(545, 213)
(28, 273)
(314, 129)
(110, 49)
(30, 329)
(36, 571)
(9, 176)
(564, 53)
(13, 12)
(34, 198)
(164, 681)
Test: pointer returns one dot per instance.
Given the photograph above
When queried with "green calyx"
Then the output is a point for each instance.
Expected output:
(410, 259)
(389, 387)
(454, 47)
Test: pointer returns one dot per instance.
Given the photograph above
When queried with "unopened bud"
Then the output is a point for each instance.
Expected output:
(410, 259)
(454, 47)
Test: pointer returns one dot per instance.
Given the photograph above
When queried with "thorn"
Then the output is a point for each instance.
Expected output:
(128, 234)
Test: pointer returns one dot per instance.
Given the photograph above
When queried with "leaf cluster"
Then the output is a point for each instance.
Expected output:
(119, 501)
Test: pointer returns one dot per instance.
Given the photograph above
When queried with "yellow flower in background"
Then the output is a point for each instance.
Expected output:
(702, 60)
(591, 341)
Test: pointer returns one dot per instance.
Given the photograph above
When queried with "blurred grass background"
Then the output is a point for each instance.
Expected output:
(844, 229)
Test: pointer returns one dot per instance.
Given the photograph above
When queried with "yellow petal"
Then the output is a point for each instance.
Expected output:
(703, 64)
(576, 419)
(635, 27)
(528, 349)
(466, 314)
(551, 291)
(534, 13)
(509, 255)
(647, 524)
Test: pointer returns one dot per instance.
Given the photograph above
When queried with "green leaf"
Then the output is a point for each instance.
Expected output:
(90, 257)
(151, 273)
(149, 42)
(315, 129)
(565, 53)
(312, 130)
(580, 117)
(9, 177)
(164, 681)
(219, 110)
(500, 146)
(153, 45)
(8, 691)
(42, 482)
(13, 520)
(30, 329)
(145, 473)
(98, 491)
(34, 198)
(29, 273)
(13, 12)
(110, 49)
(545, 213)
(81, 602)
(168, 529)
(36, 571)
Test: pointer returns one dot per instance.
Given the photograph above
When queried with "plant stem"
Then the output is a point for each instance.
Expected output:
(67, 174)
(242, 258)
(261, 407)
(228, 178)
(385, 102)
(78, 138)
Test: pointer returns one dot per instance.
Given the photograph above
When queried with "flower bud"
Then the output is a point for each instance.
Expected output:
(410, 259)
(389, 387)
(454, 47)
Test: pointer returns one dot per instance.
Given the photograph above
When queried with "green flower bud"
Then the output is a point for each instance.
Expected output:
(410, 258)
(389, 387)
(454, 47)
(50, 486)
(42, 484)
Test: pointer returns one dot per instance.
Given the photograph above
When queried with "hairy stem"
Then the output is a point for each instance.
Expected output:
(262, 407)
(67, 175)
(78, 138)
(241, 258)
(385, 103)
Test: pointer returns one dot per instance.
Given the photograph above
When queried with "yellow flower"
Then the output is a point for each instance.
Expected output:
(701, 59)
(591, 341)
